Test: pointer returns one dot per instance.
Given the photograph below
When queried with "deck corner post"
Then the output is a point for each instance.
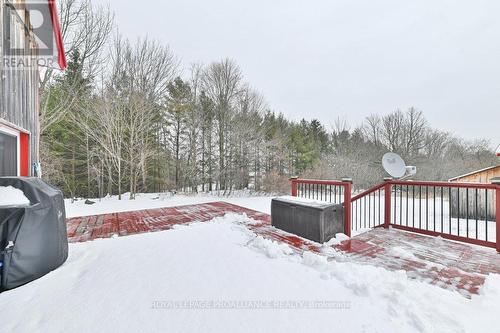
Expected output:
(496, 181)
(294, 181)
(347, 205)
(387, 202)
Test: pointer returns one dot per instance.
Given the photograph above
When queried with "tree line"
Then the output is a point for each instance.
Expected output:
(127, 117)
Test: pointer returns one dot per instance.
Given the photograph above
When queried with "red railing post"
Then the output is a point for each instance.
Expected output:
(294, 181)
(347, 205)
(387, 202)
(496, 181)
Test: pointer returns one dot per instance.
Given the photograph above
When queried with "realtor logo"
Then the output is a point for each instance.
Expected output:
(28, 33)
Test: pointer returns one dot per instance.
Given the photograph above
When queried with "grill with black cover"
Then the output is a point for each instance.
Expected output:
(33, 239)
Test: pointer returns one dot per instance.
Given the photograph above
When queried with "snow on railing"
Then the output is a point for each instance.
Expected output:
(466, 212)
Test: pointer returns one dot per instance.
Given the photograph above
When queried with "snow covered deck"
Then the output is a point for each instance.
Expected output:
(82, 229)
(447, 264)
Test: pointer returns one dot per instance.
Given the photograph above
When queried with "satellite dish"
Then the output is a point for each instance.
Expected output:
(394, 165)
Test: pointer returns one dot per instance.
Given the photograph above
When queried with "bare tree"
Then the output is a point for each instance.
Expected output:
(107, 128)
(140, 77)
(414, 131)
(85, 29)
(221, 82)
(372, 129)
(393, 130)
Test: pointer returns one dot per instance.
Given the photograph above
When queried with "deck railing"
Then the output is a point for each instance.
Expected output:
(334, 191)
(368, 209)
(466, 212)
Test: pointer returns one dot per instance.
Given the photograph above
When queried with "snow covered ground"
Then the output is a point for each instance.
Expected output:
(157, 200)
(220, 277)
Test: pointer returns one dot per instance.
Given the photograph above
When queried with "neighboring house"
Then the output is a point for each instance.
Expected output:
(19, 79)
(484, 200)
(479, 176)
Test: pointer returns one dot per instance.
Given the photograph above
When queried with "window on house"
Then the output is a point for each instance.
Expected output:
(8, 155)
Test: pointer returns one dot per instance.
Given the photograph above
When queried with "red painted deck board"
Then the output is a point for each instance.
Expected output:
(448, 264)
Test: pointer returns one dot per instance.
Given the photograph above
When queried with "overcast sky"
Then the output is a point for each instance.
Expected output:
(324, 59)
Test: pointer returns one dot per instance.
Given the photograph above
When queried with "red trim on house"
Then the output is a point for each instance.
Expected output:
(61, 57)
(24, 148)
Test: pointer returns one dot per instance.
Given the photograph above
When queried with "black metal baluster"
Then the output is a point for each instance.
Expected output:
(364, 212)
(353, 215)
(358, 202)
(434, 209)
(426, 208)
(449, 210)
(467, 211)
(486, 212)
(420, 207)
(379, 216)
(458, 209)
(413, 207)
(395, 204)
(401, 204)
(442, 214)
(355, 210)
(369, 210)
(475, 209)
(407, 191)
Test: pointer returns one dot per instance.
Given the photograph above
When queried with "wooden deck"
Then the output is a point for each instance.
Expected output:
(450, 265)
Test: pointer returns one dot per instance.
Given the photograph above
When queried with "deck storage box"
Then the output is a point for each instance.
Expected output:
(317, 221)
(33, 238)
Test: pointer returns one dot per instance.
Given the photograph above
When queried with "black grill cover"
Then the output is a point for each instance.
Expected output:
(36, 234)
